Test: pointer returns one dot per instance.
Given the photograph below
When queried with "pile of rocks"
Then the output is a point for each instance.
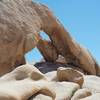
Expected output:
(27, 83)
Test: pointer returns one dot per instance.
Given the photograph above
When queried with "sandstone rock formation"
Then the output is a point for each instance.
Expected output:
(19, 27)
(20, 23)
(70, 74)
(28, 82)
(48, 50)
(63, 75)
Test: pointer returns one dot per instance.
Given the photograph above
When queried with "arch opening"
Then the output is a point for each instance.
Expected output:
(34, 55)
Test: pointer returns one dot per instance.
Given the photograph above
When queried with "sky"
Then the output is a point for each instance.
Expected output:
(81, 18)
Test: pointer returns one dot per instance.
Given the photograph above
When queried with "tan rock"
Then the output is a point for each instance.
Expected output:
(47, 50)
(81, 93)
(23, 72)
(79, 69)
(42, 97)
(21, 84)
(52, 75)
(27, 81)
(19, 34)
(62, 90)
(92, 83)
(93, 97)
(67, 47)
(69, 74)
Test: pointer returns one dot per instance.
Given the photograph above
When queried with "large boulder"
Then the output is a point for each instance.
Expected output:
(27, 82)
(69, 74)
(92, 82)
(20, 23)
(21, 83)
(63, 90)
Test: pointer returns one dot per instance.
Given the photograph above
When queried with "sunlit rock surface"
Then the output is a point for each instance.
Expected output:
(26, 81)
(20, 24)
(68, 72)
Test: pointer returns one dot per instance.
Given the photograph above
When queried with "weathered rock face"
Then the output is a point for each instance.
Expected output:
(92, 82)
(27, 81)
(81, 93)
(19, 27)
(70, 74)
(20, 23)
(48, 50)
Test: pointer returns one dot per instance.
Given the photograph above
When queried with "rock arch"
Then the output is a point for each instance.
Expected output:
(20, 24)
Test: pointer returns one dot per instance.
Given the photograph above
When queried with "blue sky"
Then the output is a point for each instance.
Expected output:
(81, 18)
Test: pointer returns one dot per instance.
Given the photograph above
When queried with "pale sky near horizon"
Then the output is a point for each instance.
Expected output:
(81, 18)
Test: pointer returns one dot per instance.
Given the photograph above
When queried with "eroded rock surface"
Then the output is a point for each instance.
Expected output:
(20, 23)
(70, 74)
(26, 81)
(19, 27)
(81, 93)
(92, 82)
